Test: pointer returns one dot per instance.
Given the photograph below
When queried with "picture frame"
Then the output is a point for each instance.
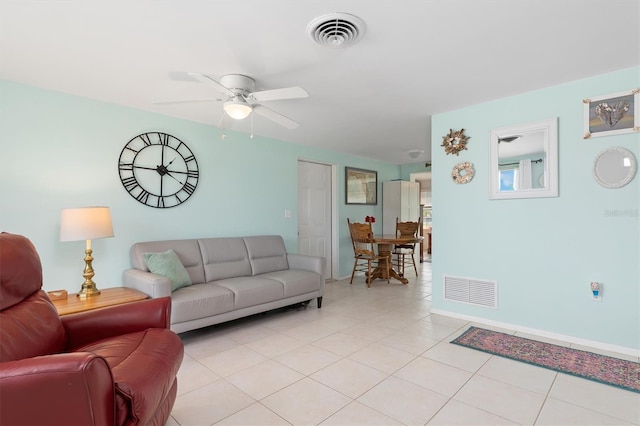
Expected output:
(613, 114)
(361, 186)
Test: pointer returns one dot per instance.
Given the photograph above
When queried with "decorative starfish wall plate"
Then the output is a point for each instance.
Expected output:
(455, 141)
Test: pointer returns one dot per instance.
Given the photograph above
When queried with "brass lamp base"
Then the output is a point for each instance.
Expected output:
(89, 288)
(88, 291)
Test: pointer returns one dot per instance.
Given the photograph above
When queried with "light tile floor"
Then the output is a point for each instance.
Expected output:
(374, 356)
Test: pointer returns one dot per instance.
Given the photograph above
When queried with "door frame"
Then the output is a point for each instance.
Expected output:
(415, 177)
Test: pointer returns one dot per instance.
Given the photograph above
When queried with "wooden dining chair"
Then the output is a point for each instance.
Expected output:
(401, 251)
(364, 251)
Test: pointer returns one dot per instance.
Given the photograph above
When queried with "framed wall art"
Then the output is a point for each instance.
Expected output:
(612, 114)
(361, 186)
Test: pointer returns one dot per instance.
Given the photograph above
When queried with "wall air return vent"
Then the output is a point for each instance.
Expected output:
(471, 291)
(336, 30)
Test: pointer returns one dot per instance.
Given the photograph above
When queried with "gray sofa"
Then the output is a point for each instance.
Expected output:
(230, 278)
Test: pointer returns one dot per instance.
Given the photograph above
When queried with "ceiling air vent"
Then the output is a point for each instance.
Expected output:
(336, 30)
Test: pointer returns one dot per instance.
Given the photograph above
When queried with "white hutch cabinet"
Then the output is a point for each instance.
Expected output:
(400, 199)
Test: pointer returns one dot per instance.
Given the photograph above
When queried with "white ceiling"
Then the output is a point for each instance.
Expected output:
(372, 99)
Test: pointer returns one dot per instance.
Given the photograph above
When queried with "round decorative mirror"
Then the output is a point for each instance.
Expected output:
(614, 167)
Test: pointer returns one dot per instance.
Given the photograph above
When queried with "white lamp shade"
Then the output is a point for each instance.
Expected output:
(237, 108)
(85, 223)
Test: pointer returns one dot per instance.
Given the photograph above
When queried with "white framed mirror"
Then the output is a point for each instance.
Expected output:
(614, 167)
(523, 160)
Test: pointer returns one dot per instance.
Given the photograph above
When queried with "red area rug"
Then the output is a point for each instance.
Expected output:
(600, 368)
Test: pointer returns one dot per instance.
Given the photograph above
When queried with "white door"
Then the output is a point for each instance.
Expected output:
(314, 211)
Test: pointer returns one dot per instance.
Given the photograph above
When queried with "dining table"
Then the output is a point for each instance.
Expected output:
(385, 245)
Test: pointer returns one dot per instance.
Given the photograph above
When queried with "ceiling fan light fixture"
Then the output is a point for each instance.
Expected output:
(237, 108)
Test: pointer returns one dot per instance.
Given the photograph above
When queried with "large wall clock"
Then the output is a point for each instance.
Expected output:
(158, 170)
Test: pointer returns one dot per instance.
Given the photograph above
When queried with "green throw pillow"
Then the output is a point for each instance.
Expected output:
(168, 265)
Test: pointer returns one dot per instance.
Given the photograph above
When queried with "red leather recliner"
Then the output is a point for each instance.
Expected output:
(111, 366)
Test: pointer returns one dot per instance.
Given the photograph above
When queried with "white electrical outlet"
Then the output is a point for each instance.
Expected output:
(287, 214)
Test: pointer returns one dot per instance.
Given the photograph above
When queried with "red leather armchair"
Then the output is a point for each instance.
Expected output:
(112, 366)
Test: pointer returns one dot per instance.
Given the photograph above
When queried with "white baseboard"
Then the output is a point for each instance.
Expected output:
(542, 333)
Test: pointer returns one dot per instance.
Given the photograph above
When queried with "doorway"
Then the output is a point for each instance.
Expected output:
(316, 212)
(424, 178)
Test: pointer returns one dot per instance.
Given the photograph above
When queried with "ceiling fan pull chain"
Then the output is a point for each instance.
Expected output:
(223, 135)
(251, 136)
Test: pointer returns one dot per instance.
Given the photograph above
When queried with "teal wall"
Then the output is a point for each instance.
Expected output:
(543, 252)
(407, 169)
(59, 151)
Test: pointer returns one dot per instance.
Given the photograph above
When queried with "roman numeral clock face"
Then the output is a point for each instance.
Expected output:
(158, 170)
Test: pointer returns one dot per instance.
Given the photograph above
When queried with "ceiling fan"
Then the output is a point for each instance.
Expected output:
(241, 100)
(509, 139)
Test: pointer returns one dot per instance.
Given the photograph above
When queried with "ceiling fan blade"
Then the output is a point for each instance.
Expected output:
(179, 76)
(211, 82)
(276, 117)
(276, 94)
(185, 101)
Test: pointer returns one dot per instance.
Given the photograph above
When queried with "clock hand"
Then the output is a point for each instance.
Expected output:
(162, 170)
(174, 178)
(166, 169)
(144, 167)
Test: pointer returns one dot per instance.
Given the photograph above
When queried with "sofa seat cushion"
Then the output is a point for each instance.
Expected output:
(295, 281)
(144, 365)
(200, 301)
(250, 291)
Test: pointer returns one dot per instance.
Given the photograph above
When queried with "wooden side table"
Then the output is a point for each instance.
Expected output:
(107, 297)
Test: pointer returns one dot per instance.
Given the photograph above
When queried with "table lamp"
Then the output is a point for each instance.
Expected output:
(86, 223)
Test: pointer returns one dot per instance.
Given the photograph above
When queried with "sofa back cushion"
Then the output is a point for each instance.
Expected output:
(224, 258)
(20, 269)
(29, 323)
(31, 328)
(188, 252)
(267, 253)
